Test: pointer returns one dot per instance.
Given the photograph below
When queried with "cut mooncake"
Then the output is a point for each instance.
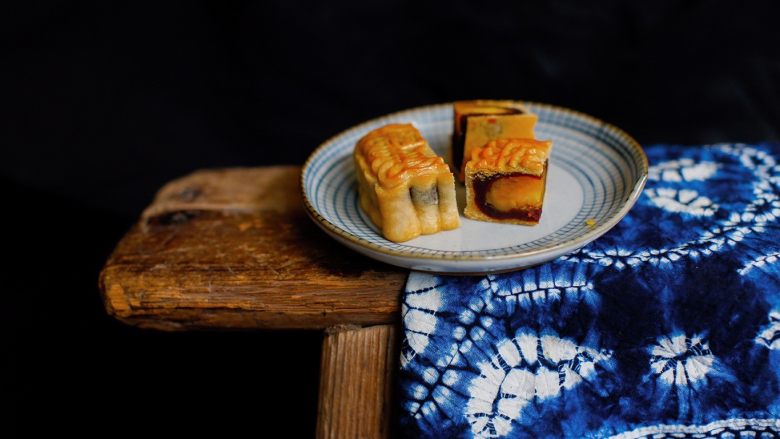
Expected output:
(480, 121)
(404, 187)
(505, 181)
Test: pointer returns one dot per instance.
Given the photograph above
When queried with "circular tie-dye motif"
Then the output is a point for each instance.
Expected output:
(527, 369)
(667, 326)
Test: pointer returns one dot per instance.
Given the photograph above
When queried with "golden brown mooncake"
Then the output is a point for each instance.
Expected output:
(480, 121)
(505, 181)
(404, 187)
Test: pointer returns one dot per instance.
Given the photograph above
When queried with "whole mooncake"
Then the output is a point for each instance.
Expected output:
(505, 181)
(404, 187)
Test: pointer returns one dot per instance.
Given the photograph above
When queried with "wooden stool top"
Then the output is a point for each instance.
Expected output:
(233, 248)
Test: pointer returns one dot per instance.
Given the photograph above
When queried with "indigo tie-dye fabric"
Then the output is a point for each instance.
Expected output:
(667, 326)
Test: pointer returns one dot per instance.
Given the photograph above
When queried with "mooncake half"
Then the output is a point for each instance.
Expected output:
(404, 187)
(480, 121)
(506, 179)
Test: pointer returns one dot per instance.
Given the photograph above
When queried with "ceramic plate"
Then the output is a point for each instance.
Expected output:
(595, 174)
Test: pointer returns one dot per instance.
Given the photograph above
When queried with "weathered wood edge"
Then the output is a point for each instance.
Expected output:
(123, 306)
(135, 293)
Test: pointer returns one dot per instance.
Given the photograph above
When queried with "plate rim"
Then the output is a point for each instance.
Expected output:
(573, 243)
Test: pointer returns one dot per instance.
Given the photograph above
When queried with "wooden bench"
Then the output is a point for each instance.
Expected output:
(233, 248)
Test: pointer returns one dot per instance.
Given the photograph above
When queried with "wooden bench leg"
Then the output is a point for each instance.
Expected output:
(356, 379)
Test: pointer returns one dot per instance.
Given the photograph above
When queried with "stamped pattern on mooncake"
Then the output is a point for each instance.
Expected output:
(403, 186)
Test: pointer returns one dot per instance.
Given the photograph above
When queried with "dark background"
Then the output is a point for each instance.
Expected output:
(103, 103)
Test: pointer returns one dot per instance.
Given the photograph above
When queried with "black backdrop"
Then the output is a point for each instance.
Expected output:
(105, 102)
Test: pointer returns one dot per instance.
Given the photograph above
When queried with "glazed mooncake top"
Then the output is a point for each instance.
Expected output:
(396, 152)
(487, 106)
(512, 155)
(484, 107)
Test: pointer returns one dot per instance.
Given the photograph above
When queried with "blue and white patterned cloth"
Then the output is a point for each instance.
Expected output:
(667, 326)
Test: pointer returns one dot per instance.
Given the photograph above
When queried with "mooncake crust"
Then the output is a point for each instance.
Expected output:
(403, 186)
(527, 156)
(398, 152)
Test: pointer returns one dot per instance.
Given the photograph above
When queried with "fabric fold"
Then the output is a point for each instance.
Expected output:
(668, 324)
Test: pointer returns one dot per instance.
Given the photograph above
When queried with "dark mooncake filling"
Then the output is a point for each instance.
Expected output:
(425, 197)
(482, 184)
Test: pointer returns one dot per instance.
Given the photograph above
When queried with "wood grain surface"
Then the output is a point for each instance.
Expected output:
(233, 248)
(356, 376)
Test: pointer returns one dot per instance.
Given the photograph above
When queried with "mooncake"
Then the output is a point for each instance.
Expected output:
(404, 187)
(480, 121)
(505, 181)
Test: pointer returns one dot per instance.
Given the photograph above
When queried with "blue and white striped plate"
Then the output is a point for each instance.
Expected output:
(596, 173)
